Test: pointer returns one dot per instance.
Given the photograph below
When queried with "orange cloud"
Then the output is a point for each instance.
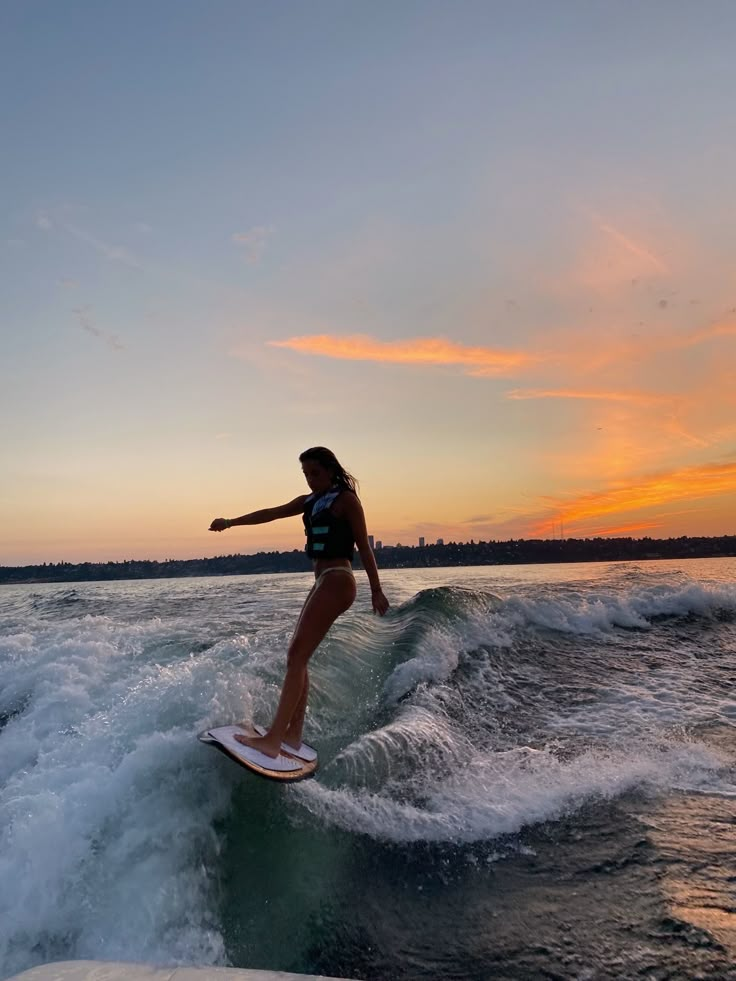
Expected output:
(539, 393)
(726, 329)
(421, 350)
(584, 355)
(689, 483)
(625, 529)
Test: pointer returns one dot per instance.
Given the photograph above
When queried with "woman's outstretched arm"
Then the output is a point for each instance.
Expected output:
(261, 517)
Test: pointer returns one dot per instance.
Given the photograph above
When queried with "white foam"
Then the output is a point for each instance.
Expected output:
(442, 647)
(601, 612)
(500, 793)
(435, 662)
(417, 734)
(107, 803)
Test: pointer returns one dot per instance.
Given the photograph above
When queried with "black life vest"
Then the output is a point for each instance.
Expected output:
(328, 537)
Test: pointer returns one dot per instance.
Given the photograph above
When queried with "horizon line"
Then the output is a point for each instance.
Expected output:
(445, 544)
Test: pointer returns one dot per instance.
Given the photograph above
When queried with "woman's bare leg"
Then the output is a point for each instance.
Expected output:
(330, 598)
(296, 726)
(293, 735)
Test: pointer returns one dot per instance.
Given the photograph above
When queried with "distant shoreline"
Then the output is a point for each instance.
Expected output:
(514, 552)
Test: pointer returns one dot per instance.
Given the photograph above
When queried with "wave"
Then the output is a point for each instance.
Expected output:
(107, 806)
(483, 675)
(462, 716)
(602, 612)
(497, 794)
(440, 623)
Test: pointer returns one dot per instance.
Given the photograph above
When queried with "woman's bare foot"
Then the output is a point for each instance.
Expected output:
(264, 744)
(293, 739)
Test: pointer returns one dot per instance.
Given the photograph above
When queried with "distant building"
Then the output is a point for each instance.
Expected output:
(370, 541)
(440, 541)
(379, 545)
(421, 543)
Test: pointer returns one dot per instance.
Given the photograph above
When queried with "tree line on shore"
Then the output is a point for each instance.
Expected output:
(514, 552)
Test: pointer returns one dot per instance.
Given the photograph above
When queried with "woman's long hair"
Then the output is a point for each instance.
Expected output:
(327, 459)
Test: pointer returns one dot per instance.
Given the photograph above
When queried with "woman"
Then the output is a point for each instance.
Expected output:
(334, 524)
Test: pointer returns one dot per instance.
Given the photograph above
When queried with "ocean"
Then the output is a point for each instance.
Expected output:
(525, 772)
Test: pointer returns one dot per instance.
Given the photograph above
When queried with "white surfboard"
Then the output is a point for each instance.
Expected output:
(286, 767)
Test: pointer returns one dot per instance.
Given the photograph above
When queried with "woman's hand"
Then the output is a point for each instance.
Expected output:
(220, 524)
(380, 603)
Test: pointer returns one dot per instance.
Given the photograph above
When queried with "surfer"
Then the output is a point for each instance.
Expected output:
(334, 524)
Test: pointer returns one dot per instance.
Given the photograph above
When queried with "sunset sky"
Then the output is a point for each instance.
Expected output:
(484, 251)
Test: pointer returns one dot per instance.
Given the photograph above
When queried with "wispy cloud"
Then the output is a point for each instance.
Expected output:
(115, 253)
(84, 317)
(634, 248)
(434, 351)
(60, 221)
(252, 243)
(612, 263)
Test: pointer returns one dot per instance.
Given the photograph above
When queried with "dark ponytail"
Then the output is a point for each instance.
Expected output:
(327, 459)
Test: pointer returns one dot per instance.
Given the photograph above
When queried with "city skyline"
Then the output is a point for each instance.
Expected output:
(482, 251)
